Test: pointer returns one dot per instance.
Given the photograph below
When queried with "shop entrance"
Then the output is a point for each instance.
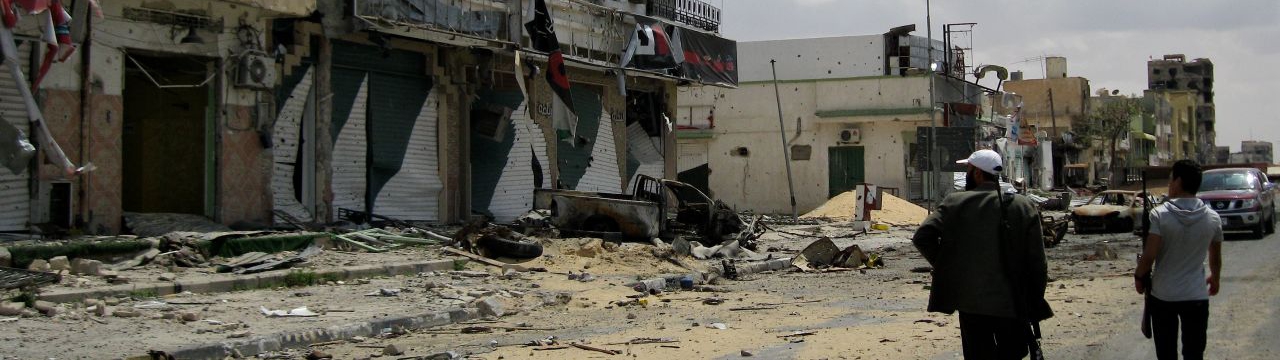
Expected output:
(167, 146)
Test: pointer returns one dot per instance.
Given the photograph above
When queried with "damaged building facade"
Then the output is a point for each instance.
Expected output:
(254, 112)
(154, 99)
(853, 111)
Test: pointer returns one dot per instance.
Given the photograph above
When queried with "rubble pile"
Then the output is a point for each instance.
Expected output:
(894, 210)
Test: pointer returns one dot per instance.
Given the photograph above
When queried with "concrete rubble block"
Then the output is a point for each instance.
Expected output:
(110, 274)
(393, 350)
(86, 267)
(6, 259)
(126, 313)
(189, 316)
(38, 265)
(590, 248)
(59, 263)
(492, 306)
(168, 277)
(11, 308)
(746, 353)
(100, 310)
(46, 308)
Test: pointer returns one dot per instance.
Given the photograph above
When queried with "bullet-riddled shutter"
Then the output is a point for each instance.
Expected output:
(15, 189)
(592, 163)
(386, 152)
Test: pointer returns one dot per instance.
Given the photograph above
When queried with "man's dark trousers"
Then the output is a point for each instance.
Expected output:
(991, 337)
(1165, 316)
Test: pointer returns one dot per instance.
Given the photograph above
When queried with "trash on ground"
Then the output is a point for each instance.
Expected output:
(299, 312)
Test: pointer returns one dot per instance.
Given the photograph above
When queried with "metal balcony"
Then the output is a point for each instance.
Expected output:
(690, 12)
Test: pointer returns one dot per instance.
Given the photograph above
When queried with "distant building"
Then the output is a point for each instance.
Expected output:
(1222, 154)
(1175, 118)
(1053, 105)
(1175, 73)
(1256, 152)
(852, 107)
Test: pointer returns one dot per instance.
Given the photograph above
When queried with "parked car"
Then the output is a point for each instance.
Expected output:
(1243, 197)
(1109, 211)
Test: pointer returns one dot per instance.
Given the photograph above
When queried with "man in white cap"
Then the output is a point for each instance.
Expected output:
(988, 263)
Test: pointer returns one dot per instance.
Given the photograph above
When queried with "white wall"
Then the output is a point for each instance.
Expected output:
(817, 58)
(747, 117)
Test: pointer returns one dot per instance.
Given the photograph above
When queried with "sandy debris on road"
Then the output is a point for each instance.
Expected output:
(894, 210)
(602, 258)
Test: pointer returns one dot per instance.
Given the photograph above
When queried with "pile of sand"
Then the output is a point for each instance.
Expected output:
(894, 211)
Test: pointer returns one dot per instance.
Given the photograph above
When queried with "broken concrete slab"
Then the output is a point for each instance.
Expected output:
(46, 308)
(82, 266)
(491, 306)
(11, 308)
(393, 350)
(59, 263)
(38, 265)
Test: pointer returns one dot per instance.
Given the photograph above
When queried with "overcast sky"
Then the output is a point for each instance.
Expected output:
(1108, 42)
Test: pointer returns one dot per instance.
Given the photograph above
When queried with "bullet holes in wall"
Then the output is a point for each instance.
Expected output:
(740, 151)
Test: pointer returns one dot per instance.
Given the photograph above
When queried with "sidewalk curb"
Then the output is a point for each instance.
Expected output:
(251, 281)
(304, 338)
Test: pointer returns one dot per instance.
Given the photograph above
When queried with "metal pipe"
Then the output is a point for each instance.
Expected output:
(933, 121)
(782, 132)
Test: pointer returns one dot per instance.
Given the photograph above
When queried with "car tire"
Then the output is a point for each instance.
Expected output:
(1271, 225)
(1260, 230)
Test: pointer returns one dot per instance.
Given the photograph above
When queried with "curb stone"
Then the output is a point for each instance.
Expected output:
(249, 281)
(304, 338)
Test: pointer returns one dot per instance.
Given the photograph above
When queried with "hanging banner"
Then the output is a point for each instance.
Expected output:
(709, 59)
(681, 52)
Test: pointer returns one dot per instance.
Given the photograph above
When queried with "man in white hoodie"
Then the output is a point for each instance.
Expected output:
(1183, 231)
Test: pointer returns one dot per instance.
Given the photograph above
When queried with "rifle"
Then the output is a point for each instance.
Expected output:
(1146, 281)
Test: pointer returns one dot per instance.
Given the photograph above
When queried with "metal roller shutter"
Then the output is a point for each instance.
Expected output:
(15, 189)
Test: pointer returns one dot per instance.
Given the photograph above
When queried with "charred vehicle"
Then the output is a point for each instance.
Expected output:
(1243, 197)
(645, 213)
(1109, 211)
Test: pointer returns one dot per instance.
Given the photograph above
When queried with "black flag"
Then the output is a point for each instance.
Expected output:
(542, 35)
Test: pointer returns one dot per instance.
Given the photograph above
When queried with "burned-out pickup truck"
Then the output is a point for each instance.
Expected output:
(645, 213)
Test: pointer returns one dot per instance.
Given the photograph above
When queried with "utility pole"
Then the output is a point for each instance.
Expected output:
(934, 167)
(1053, 116)
(782, 131)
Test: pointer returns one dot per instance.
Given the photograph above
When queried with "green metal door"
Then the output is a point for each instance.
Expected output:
(845, 169)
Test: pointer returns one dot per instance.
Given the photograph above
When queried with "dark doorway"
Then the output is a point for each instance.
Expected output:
(165, 145)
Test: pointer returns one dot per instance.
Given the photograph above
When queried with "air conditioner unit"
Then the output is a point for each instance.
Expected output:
(257, 71)
(850, 136)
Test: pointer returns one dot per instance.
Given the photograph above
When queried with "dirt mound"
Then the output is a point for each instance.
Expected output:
(894, 211)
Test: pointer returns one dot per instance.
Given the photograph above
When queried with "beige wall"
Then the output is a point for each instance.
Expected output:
(747, 117)
(1070, 101)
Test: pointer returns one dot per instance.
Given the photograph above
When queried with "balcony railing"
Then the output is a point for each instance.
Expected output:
(691, 12)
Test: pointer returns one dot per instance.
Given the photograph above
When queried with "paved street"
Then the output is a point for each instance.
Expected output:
(1242, 318)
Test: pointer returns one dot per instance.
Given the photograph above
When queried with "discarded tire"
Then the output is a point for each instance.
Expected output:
(519, 249)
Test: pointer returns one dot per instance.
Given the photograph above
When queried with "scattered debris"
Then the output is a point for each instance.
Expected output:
(746, 353)
(641, 341)
(735, 271)
(392, 350)
(385, 292)
(596, 349)
(300, 312)
(717, 326)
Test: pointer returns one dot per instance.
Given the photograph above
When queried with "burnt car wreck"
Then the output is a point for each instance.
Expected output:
(655, 208)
